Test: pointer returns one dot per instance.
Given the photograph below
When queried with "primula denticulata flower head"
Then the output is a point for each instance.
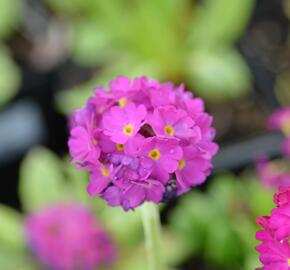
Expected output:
(142, 140)
(68, 237)
(275, 247)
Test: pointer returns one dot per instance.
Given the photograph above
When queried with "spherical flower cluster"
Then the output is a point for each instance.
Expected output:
(67, 237)
(142, 141)
(275, 247)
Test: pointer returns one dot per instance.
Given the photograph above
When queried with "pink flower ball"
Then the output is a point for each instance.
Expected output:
(68, 237)
(142, 140)
(275, 247)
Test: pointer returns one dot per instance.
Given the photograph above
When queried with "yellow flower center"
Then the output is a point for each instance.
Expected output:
(94, 141)
(154, 154)
(128, 129)
(120, 147)
(181, 164)
(122, 102)
(169, 130)
(289, 262)
(104, 172)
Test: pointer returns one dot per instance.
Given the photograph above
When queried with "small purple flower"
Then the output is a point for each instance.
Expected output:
(68, 237)
(142, 141)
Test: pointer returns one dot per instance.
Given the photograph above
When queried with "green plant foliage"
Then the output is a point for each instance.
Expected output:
(41, 180)
(220, 224)
(14, 260)
(219, 75)
(175, 40)
(10, 11)
(9, 76)
(74, 98)
(126, 227)
(218, 23)
(11, 234)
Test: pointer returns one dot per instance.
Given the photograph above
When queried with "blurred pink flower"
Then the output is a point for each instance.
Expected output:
(272, 174)
(280, 120)
(68, 237)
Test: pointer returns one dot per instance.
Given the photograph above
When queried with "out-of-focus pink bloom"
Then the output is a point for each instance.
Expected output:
(133, 138)
(272, 174)
(280, 120)
(67, 237)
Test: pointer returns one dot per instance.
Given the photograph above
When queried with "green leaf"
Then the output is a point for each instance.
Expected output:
(219, 75)
(70, 7)
(223, 190)
(191, 219)
(77, 182)
(218, 23)
(41, 180)
(126, 227)
(9, 16)
(260, 198)
(175, 251)
(91, 44)
(9, 76)
(71, 99)
(223, 247)
(11, 259)
(11, 228)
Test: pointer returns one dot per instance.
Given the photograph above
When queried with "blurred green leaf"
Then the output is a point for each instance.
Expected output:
(175, 251)
(9, 76)
(191, 218)
(223, 247)
(126, 227)
(260, 198)
(14, 260)
(135, 259)
(219, 75)
(41, 180)
(91, 44)
(218, 23)
(70, 7)
(71, 99)
(223, 190)
(77, 182)
(10, 13)
(11, 230)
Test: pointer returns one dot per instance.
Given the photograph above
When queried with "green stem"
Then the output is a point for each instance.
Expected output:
(152, 231)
